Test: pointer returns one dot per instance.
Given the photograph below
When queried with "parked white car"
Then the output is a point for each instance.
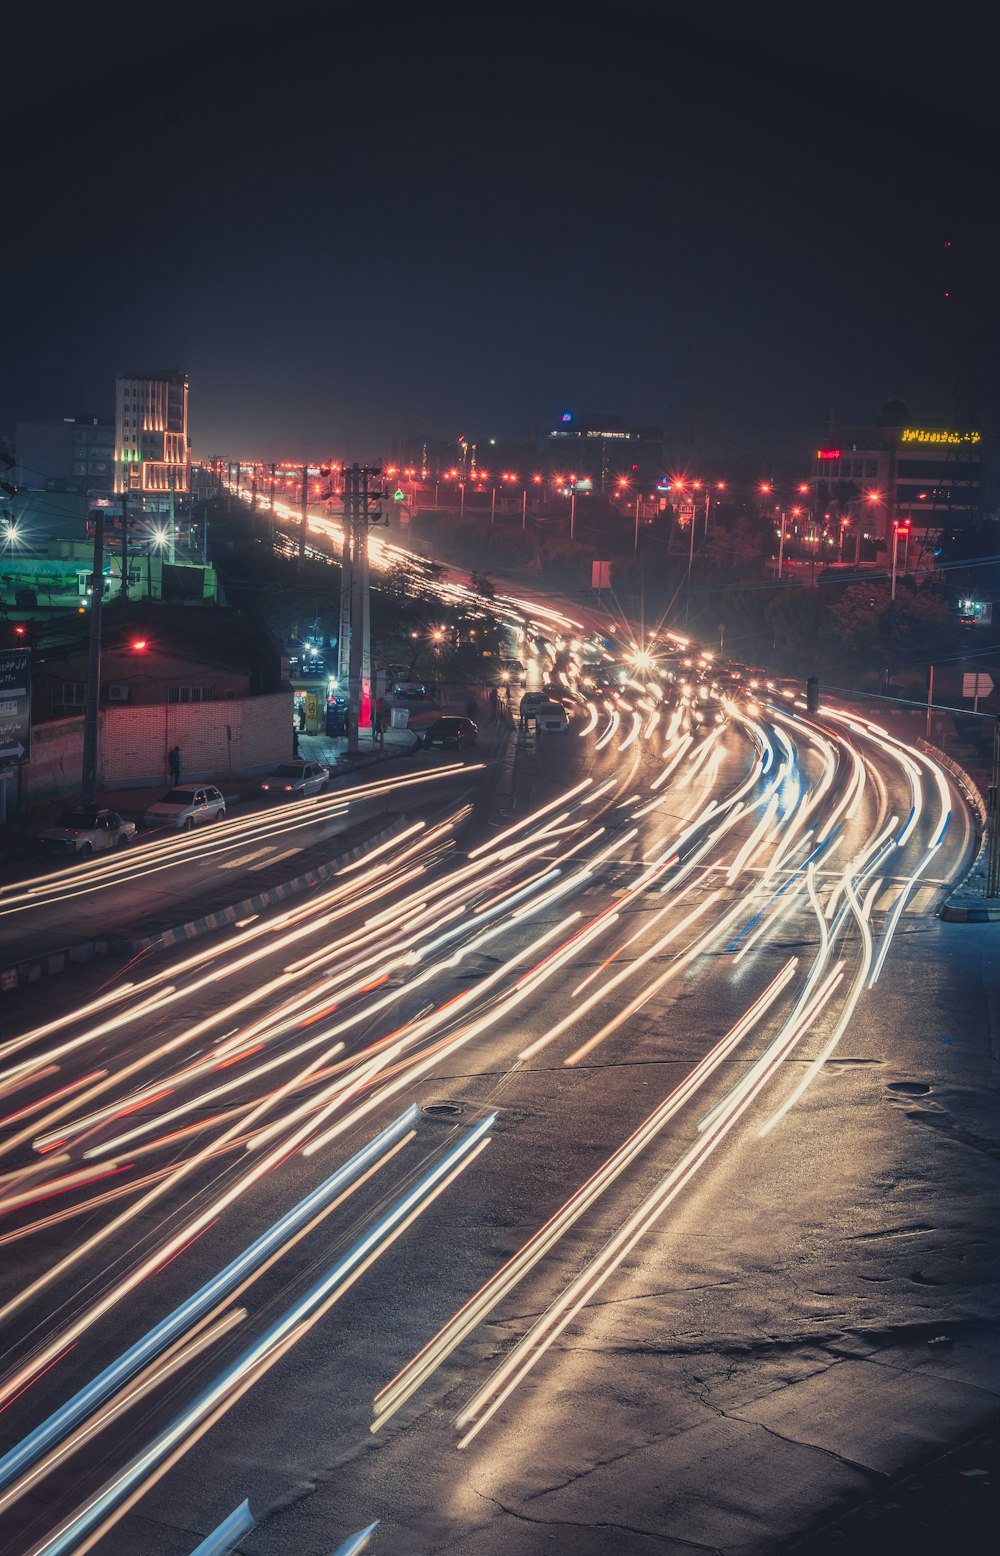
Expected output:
(186, 807)
(87, 831)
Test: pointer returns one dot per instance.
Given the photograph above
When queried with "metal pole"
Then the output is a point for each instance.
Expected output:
(493, 506)
(461, 506)
(781, 545)
(305, 512)
(524, 509)
(346, 583)
(91, 711)
(895, 543)
(124, 588)
(172, 548)
(572, 513)
(930, 701)
(637, 523)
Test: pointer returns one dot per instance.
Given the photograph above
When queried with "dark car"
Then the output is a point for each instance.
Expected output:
(457, 732)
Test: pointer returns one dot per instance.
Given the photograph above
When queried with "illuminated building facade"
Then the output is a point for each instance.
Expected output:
(151, 432)
(901, 469)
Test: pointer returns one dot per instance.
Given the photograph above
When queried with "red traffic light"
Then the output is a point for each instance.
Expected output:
(139, 644)
(902, 529)
(20, 630)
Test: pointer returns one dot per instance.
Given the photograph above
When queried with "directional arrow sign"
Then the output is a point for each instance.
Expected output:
(976, 683)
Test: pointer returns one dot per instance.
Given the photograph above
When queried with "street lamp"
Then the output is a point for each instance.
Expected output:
(872, 497)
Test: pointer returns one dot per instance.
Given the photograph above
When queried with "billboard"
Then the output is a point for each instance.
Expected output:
(15, 706)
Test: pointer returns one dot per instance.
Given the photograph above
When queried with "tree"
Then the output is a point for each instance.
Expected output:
(877, 631)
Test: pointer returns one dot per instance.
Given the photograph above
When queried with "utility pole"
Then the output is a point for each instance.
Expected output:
(91, 711)
(172, 528)
(687, 601)
(303, 521)
(781, 545)
(253, 503)
(124, 588)
(273, 468)
(361, 510)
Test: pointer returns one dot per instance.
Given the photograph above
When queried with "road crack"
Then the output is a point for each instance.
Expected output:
(570, 1523)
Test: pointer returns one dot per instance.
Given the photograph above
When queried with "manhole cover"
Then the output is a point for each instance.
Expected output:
(443, 1109)
(908, 1088)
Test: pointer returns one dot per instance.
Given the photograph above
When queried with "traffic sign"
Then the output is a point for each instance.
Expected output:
(398, 496)
(976, 683)
(15, 706)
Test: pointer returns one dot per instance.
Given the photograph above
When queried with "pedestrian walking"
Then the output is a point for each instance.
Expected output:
(494, 704)
(174, 763)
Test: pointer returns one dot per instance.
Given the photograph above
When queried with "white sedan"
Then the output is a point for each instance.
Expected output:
(293, 779)
(186, 808)
(552, 718)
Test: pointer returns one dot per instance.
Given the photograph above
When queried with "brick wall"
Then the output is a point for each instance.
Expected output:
(56, 761)
(135, 740)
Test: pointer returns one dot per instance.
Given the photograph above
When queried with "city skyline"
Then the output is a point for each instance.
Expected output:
(730, 234)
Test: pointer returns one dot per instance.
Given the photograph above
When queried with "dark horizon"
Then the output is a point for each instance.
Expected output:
(728, 234)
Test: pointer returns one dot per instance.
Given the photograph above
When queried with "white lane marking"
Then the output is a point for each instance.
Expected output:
(235, 864)
(277, 859)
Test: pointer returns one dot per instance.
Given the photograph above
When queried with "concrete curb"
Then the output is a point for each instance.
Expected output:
(983, 910)
(53, 962)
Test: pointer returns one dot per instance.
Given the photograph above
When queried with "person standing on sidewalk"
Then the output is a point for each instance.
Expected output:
(174, 763)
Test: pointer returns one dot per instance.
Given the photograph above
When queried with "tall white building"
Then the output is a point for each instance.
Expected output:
(151, 432)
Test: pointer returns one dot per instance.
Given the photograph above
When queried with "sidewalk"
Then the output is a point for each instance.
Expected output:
(332, 750)
(18, 835)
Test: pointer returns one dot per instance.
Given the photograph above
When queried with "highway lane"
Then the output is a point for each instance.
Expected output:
(166, 878)
(717, 908)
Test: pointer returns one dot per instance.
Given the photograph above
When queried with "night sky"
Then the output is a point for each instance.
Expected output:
(349, 230)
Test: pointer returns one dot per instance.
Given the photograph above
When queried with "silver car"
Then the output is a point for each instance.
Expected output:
(292, 780)
(186, 808)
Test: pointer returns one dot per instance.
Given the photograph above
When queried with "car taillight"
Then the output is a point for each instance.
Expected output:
(288, 788)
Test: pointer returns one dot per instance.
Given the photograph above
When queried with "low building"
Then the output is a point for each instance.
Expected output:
(208, 680)
(58, 576)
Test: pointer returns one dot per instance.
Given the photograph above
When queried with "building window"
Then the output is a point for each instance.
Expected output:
(67, 694)
(189, 694)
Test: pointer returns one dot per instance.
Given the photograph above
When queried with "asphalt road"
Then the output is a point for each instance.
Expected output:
(166, 877)
(696, 1197)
